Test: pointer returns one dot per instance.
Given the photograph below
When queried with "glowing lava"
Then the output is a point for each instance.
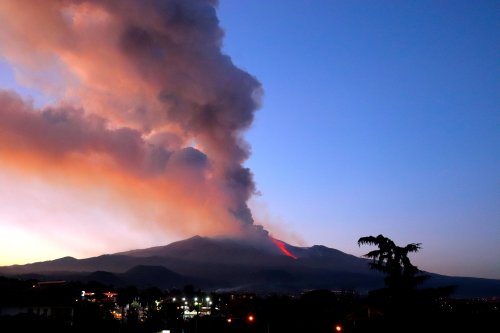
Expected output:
(282, 247)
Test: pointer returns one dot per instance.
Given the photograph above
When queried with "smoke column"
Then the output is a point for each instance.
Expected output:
(146, 109)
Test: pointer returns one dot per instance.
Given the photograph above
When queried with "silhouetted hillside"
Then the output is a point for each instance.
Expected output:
(237, 265)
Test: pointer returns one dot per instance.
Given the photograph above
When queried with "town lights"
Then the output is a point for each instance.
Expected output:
(250, 319)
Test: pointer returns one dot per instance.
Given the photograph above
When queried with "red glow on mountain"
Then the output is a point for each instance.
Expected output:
(282, 247)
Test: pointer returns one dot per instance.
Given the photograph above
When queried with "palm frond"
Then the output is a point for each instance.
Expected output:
(372, 254)
(368, 240)
(371, 240)
(413, 247)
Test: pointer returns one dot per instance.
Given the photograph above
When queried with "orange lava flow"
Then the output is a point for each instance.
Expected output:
(283, 249)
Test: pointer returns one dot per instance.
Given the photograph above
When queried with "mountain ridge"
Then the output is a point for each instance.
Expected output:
(235, 264)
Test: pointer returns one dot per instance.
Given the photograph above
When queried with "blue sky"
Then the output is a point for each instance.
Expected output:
(377, 117)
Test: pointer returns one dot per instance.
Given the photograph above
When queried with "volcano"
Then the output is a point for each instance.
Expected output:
(235, 265)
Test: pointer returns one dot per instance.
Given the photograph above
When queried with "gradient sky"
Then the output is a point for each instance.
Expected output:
(376, 118)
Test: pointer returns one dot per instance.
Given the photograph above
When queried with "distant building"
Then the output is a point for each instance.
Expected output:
(45, 299)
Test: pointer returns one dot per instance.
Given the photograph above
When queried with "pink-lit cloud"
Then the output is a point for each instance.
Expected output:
(148, 110)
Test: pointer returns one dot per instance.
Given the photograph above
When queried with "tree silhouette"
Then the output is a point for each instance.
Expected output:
(405, 307)
(401, 274)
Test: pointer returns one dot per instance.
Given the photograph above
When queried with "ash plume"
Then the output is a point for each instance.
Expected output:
(146, 103)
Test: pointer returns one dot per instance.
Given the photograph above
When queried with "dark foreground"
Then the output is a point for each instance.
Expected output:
(57, 306)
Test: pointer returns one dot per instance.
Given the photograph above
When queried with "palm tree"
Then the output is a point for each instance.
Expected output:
(393, 261)
(401, 301)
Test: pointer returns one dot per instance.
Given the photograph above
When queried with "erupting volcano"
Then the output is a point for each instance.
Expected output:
(145, 124)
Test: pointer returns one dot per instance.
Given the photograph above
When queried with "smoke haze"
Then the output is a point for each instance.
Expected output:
(149, 114)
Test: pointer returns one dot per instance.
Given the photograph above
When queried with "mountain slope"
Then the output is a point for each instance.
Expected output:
(232, 264)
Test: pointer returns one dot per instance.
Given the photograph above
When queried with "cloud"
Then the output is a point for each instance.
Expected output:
(148, 108)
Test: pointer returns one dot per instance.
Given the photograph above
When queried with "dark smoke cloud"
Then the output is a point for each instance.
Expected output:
(145, 84)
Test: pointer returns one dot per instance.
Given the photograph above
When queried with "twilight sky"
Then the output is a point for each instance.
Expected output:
(126, 126)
